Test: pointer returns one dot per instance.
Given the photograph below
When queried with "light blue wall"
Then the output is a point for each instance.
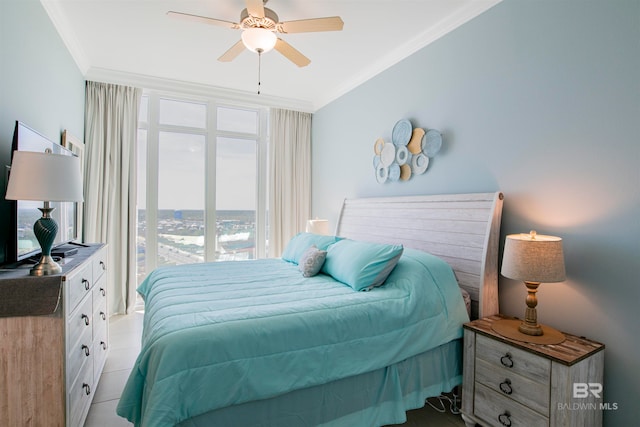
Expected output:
(541, 100)
(40, 84)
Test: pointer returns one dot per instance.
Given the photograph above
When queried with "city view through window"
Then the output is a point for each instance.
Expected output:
(198, 197)
(181, 236)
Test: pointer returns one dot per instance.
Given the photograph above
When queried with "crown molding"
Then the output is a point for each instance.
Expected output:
(59, 20)
(469, 11)
(195, 89)
(463, 15)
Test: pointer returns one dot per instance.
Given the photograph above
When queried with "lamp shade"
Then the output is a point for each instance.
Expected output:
(259, 39)
(44, 177)
(533, 258)
(318, 226)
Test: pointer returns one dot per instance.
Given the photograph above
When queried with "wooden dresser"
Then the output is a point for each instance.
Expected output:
(512, 383)
(53, 340)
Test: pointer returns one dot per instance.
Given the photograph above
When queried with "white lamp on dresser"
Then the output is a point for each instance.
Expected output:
(45, 177)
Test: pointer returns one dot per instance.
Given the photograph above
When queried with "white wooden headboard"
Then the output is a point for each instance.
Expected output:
(462, 229)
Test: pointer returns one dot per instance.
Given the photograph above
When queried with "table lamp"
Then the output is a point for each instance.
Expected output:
(318, 226)
(534, 259)
(45, 177)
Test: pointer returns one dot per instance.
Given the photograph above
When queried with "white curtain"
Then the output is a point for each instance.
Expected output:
(289, 176)
(111, 121)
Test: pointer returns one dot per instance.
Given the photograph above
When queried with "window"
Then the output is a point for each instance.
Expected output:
(236, 161)
(201, 182)
(142, 201)
(181, 113)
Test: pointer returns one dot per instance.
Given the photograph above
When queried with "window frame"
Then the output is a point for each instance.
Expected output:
(211, 134)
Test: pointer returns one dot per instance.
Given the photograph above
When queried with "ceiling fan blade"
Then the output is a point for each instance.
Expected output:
(255, 8)
(331, 23)
(202, 19)
(291, 53)
(232, 53)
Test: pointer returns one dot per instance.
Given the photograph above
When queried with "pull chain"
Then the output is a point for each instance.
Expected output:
(259, 66)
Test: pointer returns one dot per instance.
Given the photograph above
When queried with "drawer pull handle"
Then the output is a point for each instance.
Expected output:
(103, 265)
(104, 316)
(507, 361)
(103, 344)
(87, 286)
(87, 388)
(505, 419)
(86, 350)
(86, 319)
(505, 386)
(103, 292)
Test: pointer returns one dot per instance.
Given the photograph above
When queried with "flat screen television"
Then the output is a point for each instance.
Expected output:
(24, 213)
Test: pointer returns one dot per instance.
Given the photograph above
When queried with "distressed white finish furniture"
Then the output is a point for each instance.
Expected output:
(462, 229)
(52, 351)
(512, 383)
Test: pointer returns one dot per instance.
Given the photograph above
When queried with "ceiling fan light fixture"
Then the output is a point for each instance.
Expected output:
(259, 39)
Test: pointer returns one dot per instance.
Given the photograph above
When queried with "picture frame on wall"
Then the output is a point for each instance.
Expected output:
(76, 146)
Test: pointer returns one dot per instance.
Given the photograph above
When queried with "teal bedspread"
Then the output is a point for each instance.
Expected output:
(222, 334)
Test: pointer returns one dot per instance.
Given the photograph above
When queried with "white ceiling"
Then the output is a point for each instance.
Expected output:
(134, 42)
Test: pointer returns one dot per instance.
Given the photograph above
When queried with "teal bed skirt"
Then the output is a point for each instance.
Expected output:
(372, 399)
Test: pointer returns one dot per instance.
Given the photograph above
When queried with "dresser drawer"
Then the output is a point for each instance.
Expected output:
(79, 321)
(503, 381)
(100, 351)
(504, 356)
(498, 410)
(100, 291)
(79, 354)
(77, 286)
(79, 395)
(99, 264)
(99, 315)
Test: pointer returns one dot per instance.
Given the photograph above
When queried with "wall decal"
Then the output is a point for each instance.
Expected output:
(407, 154)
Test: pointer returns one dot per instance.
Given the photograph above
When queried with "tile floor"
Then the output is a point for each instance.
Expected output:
(124, 333)
(124, 337)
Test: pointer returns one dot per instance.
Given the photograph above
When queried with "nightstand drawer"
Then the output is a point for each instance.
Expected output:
(519, 383)
(503, 381)
(499, 410)
(502, 355)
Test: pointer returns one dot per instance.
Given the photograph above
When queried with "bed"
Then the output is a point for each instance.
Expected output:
(254, 343)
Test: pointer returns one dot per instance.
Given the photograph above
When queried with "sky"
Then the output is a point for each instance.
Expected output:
(182, 158)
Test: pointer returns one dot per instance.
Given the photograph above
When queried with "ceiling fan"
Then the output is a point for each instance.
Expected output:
(259, 25)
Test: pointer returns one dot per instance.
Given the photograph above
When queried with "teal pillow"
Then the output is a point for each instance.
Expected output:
(303, 241)
(361, 265)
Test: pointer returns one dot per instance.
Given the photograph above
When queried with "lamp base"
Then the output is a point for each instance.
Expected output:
(45, 230)
(509, 328)
(45, 267)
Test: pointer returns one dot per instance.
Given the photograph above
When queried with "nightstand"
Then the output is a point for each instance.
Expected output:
(512, 383)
